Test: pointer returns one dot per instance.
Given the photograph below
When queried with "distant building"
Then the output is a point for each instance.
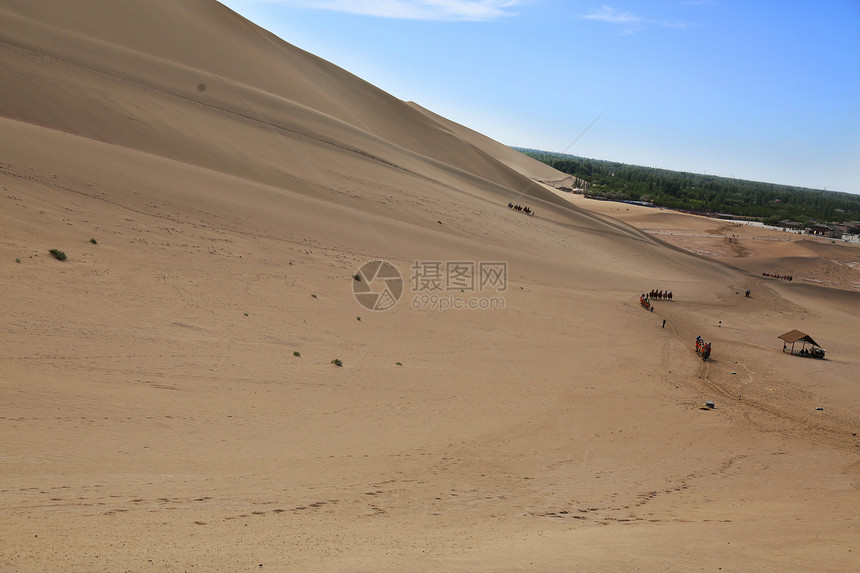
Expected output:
(825, 231)
(849, 228)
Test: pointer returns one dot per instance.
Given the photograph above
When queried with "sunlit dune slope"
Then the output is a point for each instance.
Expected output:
(195, 83)
(189, 63)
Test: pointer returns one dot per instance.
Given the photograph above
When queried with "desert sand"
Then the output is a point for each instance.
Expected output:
(169, 400)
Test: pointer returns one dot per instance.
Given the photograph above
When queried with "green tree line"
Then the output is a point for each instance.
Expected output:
(768, 202)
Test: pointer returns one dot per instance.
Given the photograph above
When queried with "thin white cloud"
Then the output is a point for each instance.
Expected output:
(416, 9)
(611, 15)
(629, 22)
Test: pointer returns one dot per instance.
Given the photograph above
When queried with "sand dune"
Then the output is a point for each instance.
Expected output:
(215, 190)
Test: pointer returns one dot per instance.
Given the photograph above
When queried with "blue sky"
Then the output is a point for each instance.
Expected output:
(761, 90)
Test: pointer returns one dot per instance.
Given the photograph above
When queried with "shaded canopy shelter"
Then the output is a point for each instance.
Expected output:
(794, 336)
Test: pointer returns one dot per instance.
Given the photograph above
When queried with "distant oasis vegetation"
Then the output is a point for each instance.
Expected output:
(702, 193)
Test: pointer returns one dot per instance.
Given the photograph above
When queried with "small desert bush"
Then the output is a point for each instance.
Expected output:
(296, 353)
(337, 362)
(93, 241)
(59, 255)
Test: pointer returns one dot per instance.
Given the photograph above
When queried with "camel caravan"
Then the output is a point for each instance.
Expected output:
(521, 209)
(645, 302)
(660, 294)
(776, 276)
(645, 298)
(703, 348)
